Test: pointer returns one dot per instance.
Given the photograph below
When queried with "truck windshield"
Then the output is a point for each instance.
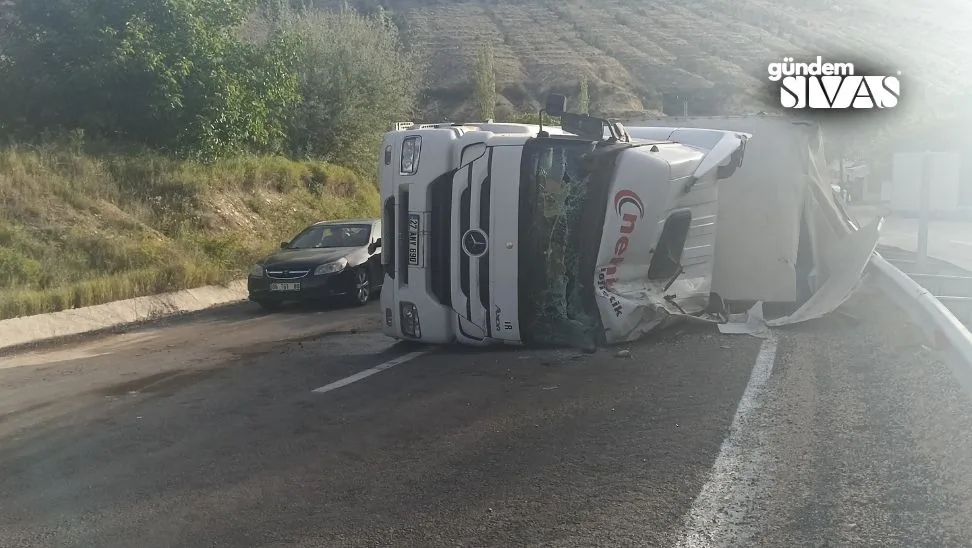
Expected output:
(554, 187)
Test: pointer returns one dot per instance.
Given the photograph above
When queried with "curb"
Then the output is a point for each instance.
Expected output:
(942, 329)
(42, 327)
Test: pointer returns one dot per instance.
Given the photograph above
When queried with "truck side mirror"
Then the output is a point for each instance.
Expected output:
(374, 246)
(556, 105)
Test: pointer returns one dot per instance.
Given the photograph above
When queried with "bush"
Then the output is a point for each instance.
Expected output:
(205, 79)
(169, 73)
(534, 118)
(355, 79)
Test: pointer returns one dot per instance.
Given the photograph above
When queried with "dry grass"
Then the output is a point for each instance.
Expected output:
(78, 230)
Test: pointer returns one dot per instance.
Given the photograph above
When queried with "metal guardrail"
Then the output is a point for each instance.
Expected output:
(960, 306)
(942, 328)
(955, 292)
(942, 285)
(952, 290)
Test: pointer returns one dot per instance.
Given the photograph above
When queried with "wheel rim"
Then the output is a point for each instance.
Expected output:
(361, 286)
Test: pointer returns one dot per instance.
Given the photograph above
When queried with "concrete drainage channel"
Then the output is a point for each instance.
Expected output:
(17, 332)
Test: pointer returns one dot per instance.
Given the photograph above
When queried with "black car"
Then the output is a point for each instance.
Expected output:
(327, 259)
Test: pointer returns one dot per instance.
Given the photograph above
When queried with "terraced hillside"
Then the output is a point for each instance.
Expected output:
(641, 54)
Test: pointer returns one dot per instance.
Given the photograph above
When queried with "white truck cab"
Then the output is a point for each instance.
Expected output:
(500, 233)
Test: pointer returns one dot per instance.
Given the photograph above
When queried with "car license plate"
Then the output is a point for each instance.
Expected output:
(294, 286)
(413, 239)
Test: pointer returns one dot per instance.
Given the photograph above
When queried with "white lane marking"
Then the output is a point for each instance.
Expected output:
(722, 503)
(369, 372)
(959, 242)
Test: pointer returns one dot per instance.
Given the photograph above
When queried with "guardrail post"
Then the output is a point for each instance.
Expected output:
(923, 221)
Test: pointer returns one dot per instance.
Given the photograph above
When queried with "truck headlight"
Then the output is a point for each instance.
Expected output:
(256, 271)
(332, 267)
(410, 320)
(411, 150)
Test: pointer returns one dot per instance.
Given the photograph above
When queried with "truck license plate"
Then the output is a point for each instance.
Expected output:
(413, 239)
(293, 286)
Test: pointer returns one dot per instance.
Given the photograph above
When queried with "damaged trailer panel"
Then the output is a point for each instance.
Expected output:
(783, 236)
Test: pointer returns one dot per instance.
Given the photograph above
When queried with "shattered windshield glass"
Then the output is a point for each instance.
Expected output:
(554, 186)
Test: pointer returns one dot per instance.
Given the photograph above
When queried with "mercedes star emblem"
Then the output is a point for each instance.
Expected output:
(475, 243)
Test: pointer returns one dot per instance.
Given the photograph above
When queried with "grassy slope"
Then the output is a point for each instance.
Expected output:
(635, 50)
(77, 230)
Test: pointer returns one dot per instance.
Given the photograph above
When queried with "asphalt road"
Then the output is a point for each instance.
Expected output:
(208, 431)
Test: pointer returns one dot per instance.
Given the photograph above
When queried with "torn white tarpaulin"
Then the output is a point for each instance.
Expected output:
(852, 252)
(749, 323)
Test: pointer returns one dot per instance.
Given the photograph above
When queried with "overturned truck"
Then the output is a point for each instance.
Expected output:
(592, 233)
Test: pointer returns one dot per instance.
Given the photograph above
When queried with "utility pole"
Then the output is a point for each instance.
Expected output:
(923, 220)
(843, 179)
(685, 108)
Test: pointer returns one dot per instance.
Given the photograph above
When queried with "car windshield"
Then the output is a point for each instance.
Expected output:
(553, 191)
(321, 236)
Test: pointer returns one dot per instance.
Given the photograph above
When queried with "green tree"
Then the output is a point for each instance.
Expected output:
(356, 78)
(583, 98)
(173, 74)
(485, 76)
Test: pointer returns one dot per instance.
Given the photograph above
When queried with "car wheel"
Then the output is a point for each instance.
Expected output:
(361, 288)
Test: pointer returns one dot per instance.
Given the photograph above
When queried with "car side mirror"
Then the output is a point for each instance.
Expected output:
(374, 246)
(284, 245)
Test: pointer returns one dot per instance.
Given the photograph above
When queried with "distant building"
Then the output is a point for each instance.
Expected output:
(952, 136)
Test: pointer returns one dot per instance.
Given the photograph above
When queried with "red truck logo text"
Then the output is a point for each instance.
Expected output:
(624, 202)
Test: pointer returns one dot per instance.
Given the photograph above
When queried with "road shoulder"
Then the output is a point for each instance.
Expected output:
(864, 438)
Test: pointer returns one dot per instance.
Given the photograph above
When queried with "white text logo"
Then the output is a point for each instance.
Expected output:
(821, 85)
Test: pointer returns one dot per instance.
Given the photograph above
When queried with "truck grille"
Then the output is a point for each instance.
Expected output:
(474, 212)
(481, 291)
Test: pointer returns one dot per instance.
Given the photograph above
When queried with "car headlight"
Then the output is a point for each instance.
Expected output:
(411, 150)
(410, 320)
(257, 271)
(331, 268)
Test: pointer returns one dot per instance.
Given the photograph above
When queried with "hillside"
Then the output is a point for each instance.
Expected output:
(77, 229)
(639, 54)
